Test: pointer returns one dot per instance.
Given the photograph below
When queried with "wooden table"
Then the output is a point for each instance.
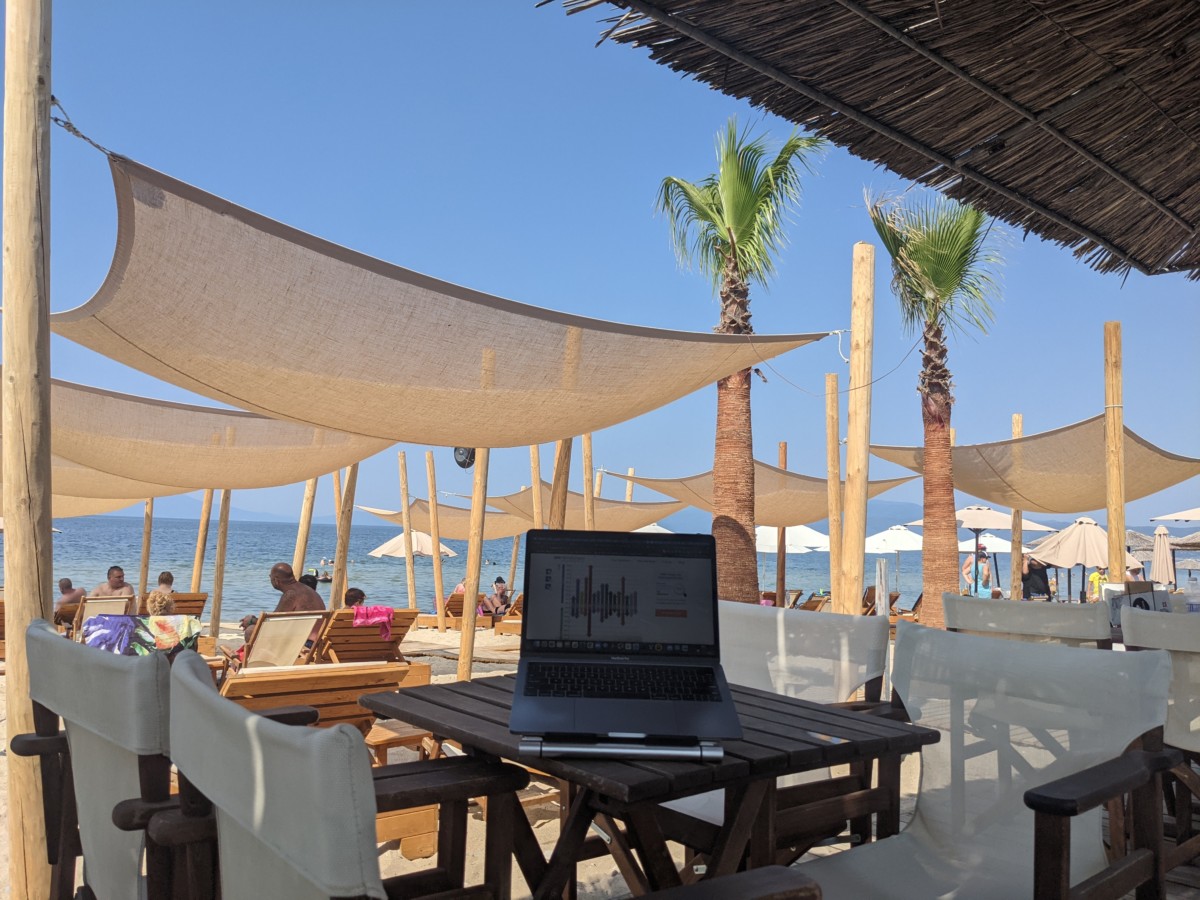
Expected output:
(782, 735)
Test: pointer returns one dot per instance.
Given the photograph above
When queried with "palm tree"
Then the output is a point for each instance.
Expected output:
(943, 275)
(730, 226)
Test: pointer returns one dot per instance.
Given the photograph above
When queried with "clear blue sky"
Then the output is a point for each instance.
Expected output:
(493, 145)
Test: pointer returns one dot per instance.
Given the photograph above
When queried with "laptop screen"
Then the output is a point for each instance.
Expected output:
(592, 592)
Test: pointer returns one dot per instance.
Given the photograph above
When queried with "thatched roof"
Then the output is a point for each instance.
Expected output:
(1187, 542)
(1075, 119)
(1136, 541)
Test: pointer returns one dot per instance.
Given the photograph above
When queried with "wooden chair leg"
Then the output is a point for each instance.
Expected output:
(498, 845)
(452, 841)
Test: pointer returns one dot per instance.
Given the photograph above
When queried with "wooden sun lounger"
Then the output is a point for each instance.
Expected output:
(99, 606)
(454, 614)
(510, 622)
(342, 641)
(815, 602)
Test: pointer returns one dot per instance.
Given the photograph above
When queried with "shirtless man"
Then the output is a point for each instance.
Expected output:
(66, 594)
(295, 596)
(115, 586)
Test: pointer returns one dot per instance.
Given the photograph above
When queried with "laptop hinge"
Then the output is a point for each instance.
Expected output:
(702, 751)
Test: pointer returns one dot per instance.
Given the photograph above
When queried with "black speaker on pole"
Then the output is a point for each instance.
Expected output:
(464, 456)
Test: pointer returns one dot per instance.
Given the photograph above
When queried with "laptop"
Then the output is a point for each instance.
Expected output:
(620, 653)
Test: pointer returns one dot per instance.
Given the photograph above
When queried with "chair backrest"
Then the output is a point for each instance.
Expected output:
(278, 639)
(454, 605)
(1014, 717)
(185, 604)
(99, 606)
(515, 610)
(904, 607)
(1179, 635)
(823, 657)
(868, 600)
(343, 641)
(1055, 623)
(295, 807)
(115, 710)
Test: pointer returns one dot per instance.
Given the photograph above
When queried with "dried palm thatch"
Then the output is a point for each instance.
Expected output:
(1074, 119)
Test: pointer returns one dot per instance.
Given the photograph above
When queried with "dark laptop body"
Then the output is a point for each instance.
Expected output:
(638, 602)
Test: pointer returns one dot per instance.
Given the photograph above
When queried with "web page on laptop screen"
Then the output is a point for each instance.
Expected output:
(620, 604)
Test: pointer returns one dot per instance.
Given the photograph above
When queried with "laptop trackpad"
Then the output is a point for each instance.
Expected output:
(628, 717)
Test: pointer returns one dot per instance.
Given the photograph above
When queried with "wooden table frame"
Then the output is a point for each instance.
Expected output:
(782, 735)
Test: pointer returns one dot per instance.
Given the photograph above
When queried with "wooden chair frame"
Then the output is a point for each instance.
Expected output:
(342, 641)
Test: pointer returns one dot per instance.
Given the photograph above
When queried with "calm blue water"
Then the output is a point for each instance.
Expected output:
(89, 545)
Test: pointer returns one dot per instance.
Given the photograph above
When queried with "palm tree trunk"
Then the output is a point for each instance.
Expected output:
(939, 557)
(733, 492)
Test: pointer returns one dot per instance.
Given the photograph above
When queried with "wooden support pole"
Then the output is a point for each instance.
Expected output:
(535, 474)
(858, 427)
(201, 540)
(629, 487)
(466, 646)
(781, 549)
(1015, 589)
(305, 527)
(214, 627)
(28, 548)
(435, 532)
(589, 496)
(512, 566)
(410, 561)
(337, 595)
(558, 489)
(1114, 452)
(599, 482)
(833, 476)
(147, 531)
(337, 498)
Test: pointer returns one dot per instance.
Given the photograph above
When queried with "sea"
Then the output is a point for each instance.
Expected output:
(88, 545)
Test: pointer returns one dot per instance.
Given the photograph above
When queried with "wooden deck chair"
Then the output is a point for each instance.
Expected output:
(185, 604)
(510, 622)
(114, 749)
(816, 602)
(868, 601)
(823, 657)
(454, 613)
(1047, 730)
(279, 639)
(1075, 625)
(295, 808)
(99, 606)
(342, 641)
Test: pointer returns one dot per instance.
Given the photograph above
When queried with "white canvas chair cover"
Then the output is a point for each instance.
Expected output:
(822, 657)
(90, 607)
(454, 522)
(295, 806)
(1063, 623)
(1179, 635)
(971, 835)
(611, 515)
(781, 497)
(114, 709)
(1059, 471)
(216, 299)
(280, 639)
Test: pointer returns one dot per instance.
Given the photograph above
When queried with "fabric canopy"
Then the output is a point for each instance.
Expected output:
(66, 507)
(781, 497)
(1059, 471)
(611, 515)
(179, 445)
(1082, 543)
(1186, 515)
(454, 522)
(234, 306)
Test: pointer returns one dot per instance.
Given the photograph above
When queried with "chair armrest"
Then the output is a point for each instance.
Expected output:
(38, 744)
(292, 715)
(135, 814)
(174, 828)
(1075, 794)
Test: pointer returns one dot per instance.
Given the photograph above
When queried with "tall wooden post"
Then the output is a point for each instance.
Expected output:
(535, 474)
(558, 489)
(337, 594)
(435, 532)
(781, 549)
(337, 499)
(599, 482)
(629, 487)
(410, 562)
(858, 427)
(512, 566)
(28, 549)
(1016, 590)
(589, 497)
(214, 627)
(1114, 452)
(466, 646)
(305, 527)
(201, 540)
(147, 530)
(833, 481)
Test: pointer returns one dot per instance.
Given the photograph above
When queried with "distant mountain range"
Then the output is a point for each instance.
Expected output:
(187, 507)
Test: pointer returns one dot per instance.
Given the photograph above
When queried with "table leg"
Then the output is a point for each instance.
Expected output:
(887, 819)
(503, 812)
(656, 858)
(763, 837)
(742, 809)
(561, 869)
(622, 852)
(528, 852)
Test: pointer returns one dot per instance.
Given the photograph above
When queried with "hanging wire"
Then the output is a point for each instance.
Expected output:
(68, 126)
(839, 333)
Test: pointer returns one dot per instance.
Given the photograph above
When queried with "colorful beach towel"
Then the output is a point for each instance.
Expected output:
(142, 635)
(375, 615)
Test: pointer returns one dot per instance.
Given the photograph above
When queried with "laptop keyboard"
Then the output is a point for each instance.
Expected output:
(621, 682)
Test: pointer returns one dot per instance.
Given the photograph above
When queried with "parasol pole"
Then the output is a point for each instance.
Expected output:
(1015, 560)
(858, 426)
(535, 472)
(305, 528)
(781, 542)
(410, 564)
(1114, 452)
(466, 646)
(435, 532)
(558, 488)
(589, 496)
(833, 481)
(201, 540)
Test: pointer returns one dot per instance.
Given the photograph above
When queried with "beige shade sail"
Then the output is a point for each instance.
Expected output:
(222, 301)
(611, 515)
(63, 506)
(454, 522)
(781, 497)
(1059, 471)
(190, 447)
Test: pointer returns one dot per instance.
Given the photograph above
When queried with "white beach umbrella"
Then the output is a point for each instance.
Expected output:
(1082, 543)
(654, 528)
(988, 543)
(796, 539)
(983, 518)
(1162, 564)
(893, 540)
(1187, 515)
(422, 545)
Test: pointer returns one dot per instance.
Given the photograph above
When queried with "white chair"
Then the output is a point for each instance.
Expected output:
(89, 607)
(1179, 635)
(1013, 718)
(115, 710)
(1032, 622)
(279, 639)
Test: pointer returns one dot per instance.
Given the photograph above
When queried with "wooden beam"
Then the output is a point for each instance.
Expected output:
(201, 540)
(833, 481)
(1114, 452)
(410, 563)
(535, 474)
(512, 566)
(1015, 589)
(589, 496)
(858, 427)
(218, 589)
(558, 489)
(147, 532)
(435, 532)
(466, 646)
(629, 487)
(337, 594)
(305, 527)
(781, 548)
(28, 548)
